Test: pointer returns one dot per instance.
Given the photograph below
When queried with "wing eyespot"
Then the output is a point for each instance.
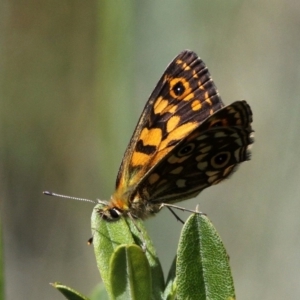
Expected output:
(220, 160)
(217, 124)
(178, 88)
(186, 150)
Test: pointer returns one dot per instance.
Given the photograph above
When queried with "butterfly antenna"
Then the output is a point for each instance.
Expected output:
(67, 197)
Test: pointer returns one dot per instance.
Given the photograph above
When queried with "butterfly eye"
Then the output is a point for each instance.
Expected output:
(178, 88)
(186, 150)
(220, 160)
(114, 213)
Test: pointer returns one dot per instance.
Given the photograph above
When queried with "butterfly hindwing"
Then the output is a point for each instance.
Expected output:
(205, 157)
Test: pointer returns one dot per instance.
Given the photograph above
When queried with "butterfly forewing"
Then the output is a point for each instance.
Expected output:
(183, 98)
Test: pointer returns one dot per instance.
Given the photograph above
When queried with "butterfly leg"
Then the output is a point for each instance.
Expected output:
(181, 208)
(174, 214)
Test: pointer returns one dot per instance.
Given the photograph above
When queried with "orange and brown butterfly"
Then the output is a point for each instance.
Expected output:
(184, 142)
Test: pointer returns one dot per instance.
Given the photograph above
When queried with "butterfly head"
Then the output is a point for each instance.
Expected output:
(112, 210)
(110, 213)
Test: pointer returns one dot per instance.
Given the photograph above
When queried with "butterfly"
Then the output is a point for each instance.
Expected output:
(185, 141)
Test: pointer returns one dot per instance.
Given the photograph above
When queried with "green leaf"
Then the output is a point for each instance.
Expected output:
(99, 292)
(68, 292)
(107, 236)
(170, 290)
(130, 276)
(203, 270)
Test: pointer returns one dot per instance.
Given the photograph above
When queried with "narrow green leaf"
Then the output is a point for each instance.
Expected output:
(158, 282)
(203, 270)
(68, 292)
(1, 265)
(130, 275)
(107, 236)
(170, 290)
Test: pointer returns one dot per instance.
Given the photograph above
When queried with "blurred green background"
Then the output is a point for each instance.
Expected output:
(74, 77)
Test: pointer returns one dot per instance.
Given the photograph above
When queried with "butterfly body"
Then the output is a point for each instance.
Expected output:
(185, 141)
